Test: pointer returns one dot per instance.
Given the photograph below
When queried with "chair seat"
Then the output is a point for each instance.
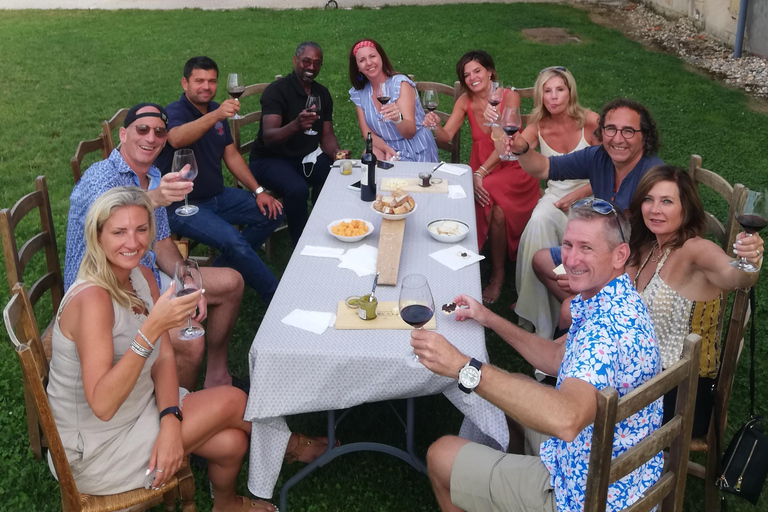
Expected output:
(699, 444)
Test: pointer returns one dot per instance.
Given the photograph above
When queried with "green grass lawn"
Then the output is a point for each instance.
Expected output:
(63, 72)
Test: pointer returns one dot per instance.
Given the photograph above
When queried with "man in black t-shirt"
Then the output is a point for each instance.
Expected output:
(284, 157)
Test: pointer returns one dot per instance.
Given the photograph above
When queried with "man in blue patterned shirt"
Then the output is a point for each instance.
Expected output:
(611, 343)
(143, 136)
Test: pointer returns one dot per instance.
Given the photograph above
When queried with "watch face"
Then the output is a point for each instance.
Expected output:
(469, 377)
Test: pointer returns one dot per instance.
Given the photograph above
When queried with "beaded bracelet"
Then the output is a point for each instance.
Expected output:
(139, 350)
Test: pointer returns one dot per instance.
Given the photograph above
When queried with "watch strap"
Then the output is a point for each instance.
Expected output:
(171, 410)
(475, 364)
(258, 191)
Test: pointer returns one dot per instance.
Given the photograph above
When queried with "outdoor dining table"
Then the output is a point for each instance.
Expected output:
(294, 371)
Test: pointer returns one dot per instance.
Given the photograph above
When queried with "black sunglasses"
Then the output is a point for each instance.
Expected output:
(555, 68)
(160, 131)
(603, 208)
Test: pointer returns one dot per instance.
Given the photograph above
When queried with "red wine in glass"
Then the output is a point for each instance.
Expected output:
(236, 92)
(235, 88)
(752, 223)
(186, 291)
(510, 130)
(313, 104)
(383, 99)
(752, 216)
(416, 315)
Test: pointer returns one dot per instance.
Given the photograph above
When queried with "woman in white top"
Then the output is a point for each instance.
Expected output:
(557, 125)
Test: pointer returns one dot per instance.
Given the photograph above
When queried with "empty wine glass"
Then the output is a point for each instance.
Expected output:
(182, 158)
(382, 94)
(753, 216)
(511, 122)
(235, 88)
(416, 304)
(313, 103)
(430, 102)
(495, 95)
(186, 276)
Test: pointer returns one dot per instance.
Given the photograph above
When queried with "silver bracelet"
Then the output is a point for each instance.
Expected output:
(139, 350)
(399, 120)
(151, 346)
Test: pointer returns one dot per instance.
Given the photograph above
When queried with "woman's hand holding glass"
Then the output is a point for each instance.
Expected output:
(170, 311)
(750, 247)
(431, 120)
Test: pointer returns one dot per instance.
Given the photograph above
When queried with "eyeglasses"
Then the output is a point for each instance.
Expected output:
(626, 132)
(308, 62)
(552, 68)
(160, 131)
(603, 208)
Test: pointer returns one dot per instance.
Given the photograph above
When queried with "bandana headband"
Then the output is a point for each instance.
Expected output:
(362, 44)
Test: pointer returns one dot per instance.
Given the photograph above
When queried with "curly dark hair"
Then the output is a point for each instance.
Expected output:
(647, 124)
(693, 220)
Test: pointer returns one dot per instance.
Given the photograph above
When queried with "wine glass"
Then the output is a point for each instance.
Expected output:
(415, 303)
(382, 95)
(313, 103)
(430, 101)
(495, 95)
(182, 158)
(186, 276)
(511, 123)
(235, 88)
(753, 216)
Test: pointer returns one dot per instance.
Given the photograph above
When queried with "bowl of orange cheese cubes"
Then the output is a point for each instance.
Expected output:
(350, 230)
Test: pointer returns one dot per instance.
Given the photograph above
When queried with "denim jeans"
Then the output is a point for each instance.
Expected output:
(214, 226)
(288, 178)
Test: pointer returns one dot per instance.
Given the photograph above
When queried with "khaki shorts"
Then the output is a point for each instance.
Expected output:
(487, 480)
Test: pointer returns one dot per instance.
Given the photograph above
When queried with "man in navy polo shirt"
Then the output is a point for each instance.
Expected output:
(198, 123)
(285, 158)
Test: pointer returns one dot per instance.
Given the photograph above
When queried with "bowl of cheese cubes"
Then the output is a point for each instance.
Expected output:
(350, 230)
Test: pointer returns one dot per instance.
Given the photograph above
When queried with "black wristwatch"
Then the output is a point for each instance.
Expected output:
(257, 191)
(469, 375)
(171, 410)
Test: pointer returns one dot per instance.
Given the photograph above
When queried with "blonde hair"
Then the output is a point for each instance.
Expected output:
(94, 267)
(574, 110)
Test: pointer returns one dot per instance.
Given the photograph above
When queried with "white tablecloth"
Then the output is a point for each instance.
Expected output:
(294, 371)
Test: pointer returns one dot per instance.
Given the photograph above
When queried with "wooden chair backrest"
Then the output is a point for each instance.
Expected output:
(453, 146)
(84, 148)
(17, 259)
(526, 92)
(674, 435)
(108, 129)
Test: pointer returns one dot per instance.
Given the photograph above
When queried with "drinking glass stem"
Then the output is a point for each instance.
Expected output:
(186, 202)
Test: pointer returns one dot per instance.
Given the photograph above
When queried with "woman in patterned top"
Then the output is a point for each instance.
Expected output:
(396, 123)
(682, 276)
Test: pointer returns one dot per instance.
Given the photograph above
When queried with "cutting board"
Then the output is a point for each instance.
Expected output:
(387, 317)
(413, 186)
(390, 247)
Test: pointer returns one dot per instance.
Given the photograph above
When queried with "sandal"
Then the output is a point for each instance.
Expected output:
(488, 296)
(247, 504)
(304, 442)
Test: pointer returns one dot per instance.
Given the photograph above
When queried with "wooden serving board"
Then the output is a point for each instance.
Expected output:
(390, 247)
(387, 317)
(413, 186)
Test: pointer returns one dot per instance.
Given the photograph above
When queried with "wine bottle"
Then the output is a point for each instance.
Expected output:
(368, 175)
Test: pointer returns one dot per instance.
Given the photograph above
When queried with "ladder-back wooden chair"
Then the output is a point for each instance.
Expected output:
(453, 146)
(22, 331)
(108, 129)
(674, 435)
(84, 148)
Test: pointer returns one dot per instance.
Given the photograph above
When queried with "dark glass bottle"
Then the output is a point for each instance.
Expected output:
(368, 172)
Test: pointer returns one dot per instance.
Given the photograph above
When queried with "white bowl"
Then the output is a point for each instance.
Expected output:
(394, 216)
(350, 238)
(448, 239)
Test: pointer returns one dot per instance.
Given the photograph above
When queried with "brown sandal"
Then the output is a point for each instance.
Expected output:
(304, 442)
(247, 504)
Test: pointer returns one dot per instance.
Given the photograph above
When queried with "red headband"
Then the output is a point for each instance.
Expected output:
(362, 44)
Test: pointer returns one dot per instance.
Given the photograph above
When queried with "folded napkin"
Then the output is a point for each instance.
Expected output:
(312, 321)
(360, 259)
(321, 252)
(456, 170)
(453, 259)
(456, 192)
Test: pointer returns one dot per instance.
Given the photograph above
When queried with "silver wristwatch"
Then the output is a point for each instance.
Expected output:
(469, 375)
(258, 191)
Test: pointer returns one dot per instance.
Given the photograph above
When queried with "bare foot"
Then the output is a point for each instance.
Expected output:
(493, 290)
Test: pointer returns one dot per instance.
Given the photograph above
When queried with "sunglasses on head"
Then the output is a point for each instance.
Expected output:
(552, 68)
(160, 131)
(603, 208)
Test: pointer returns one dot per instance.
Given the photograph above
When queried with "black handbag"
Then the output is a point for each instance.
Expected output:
(744, 466)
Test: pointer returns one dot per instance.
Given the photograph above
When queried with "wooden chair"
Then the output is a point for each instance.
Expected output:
(22, 331)
(84, 148)
(675, 435)
(16, 259)
(108, 128)
(526, 92)
(453, 146)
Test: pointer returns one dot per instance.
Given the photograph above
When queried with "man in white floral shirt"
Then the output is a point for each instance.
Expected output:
(611, 343)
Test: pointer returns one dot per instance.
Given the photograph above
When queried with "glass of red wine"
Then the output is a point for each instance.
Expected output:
(313, 104)
(430, 101)
(416, 304)
(495, 95)
(185, 163)
(511, 122)
(235, 88)
(187, 278)
(753, 217)
(382, 95)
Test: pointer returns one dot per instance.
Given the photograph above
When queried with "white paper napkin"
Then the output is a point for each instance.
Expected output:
(360, 259)
(456, 170)
(312, 321)
(453, 259)
(321, 252)
(456, 192)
